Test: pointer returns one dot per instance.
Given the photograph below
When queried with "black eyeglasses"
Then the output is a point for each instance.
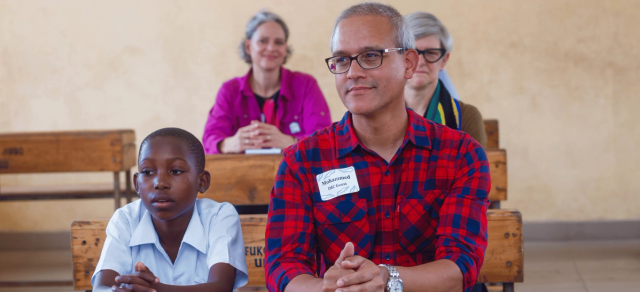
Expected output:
(367, 60)
(432, 55)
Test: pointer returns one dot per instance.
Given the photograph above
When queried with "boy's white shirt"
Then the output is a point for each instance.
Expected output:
(214, 235)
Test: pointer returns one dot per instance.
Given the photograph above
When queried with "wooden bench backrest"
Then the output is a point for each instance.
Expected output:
(247, 179)
(112, 150)
(503, 257)
(493, 135)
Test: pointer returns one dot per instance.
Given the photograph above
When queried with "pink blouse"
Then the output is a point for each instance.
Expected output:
(301, 106)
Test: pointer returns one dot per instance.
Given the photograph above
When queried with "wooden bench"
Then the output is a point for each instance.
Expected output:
(78, 151)
(498, 170)
(247, 179)
(493, 135)
(503, 258)
(498, 160)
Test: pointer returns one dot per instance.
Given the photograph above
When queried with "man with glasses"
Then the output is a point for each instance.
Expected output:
(383, 200)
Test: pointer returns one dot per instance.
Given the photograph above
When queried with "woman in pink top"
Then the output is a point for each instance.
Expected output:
(270, 106)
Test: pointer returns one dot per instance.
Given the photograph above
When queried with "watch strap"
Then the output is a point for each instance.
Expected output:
(393, 276)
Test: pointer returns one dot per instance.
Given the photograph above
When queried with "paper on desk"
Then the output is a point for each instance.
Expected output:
(263, 151)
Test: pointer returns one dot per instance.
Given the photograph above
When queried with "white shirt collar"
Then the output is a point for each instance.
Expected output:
(145, 233)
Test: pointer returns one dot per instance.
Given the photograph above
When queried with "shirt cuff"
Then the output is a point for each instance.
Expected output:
(467, 266)
(283, 272)
(212, 145)
(114, 267)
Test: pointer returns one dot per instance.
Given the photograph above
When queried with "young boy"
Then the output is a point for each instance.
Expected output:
(169, 240)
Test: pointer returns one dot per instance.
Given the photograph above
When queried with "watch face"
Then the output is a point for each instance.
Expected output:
(396, 286)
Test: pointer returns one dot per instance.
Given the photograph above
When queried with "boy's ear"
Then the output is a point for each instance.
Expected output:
(204, 180)
(135, 183)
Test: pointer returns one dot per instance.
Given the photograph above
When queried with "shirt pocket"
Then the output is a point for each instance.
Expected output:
(291, 125)
(340, 221)
(418, 220)
(291, 113)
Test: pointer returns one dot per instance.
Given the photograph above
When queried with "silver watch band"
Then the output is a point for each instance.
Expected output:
(394, 276)
(393, 272)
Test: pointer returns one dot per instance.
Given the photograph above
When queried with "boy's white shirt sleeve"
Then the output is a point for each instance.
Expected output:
(116, 245)
(226, 244)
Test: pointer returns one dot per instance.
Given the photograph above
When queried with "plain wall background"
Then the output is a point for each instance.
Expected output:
(561, 77)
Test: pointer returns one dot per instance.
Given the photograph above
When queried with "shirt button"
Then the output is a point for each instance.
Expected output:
(387, 214)
(386, 173)
(388, 257)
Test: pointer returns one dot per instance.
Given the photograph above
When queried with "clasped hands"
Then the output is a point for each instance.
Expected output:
(255, 136)
(354, 273)
(142, 280)
(350, 273)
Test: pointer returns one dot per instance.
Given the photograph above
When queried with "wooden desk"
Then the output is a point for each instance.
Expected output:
(248, 179)
(241, 179)
(503, 257)
(72, 151)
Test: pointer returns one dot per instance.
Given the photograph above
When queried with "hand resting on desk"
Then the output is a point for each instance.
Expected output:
(257, 135)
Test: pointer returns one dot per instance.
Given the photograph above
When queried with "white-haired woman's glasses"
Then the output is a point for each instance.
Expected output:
(432, 55)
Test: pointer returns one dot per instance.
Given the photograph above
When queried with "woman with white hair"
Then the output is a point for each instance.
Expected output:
(270, 106)
(425, 93)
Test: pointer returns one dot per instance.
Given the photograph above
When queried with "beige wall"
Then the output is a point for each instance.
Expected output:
(561, 76)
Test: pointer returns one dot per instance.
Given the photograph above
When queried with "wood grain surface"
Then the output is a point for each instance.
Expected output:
(76, 151)
(241, 179)
(503, 258)
(87, 239)
(498, 170)
(248, 179)
(493, 135)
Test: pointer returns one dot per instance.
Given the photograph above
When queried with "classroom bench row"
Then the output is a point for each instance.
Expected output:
(115, 151)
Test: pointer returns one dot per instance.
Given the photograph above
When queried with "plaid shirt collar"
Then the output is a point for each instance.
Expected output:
(347, 140)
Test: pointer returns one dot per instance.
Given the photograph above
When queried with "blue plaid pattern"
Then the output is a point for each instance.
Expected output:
(428, 203)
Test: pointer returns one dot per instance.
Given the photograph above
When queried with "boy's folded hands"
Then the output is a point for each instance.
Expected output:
(142, 280)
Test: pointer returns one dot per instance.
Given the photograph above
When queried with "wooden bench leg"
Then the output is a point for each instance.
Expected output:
(116, 188)
(128, 182)
(507, 287)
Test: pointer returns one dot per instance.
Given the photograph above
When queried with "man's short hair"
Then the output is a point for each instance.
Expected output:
(403, 36)
(194, 146)
(423, 24)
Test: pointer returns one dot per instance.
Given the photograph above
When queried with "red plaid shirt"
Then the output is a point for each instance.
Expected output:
(428, 203)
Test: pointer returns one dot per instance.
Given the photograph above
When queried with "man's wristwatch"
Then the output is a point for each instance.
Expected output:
(395, 283)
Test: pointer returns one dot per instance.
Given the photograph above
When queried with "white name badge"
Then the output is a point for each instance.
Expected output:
(294, 127)
(337, 182)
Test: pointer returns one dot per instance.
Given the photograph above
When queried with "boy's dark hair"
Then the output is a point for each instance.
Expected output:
(194, 145)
